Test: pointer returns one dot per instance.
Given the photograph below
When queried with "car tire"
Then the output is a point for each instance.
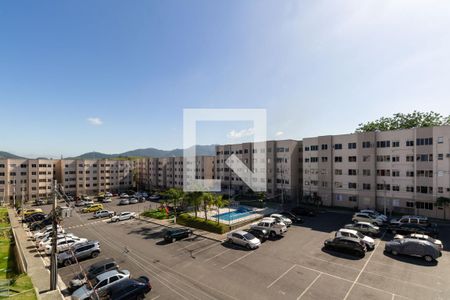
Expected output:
(428, 258)
(94, 254)
(272, 234)
(248, 247)
(67, 263)
(229, 241)
(394, 252)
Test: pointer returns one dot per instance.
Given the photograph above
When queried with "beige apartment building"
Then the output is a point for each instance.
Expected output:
(283, 168)
(167, 172)
(404, 170)
(25, 179)
(89, 177)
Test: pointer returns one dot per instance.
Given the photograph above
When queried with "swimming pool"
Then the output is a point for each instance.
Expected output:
(239, 213)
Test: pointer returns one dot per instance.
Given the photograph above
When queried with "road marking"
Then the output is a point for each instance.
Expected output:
(217, 255)
(190, 245)
(206, 248)
(154, 298)
(308, 287)
(364, 267)
(281, 276)
(236, 260)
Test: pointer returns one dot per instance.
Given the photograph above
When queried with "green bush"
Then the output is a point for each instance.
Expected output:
(199, 223)
(156, 214)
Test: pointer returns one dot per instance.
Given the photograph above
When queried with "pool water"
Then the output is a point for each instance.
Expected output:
(241, 212)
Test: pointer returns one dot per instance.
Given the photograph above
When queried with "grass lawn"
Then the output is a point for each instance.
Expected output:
(157, 214)
(20, 284)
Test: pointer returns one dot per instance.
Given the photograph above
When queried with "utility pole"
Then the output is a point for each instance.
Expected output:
(53, 258)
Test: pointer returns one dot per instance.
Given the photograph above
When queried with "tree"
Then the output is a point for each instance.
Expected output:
(176, 197)
(194, 199)
(443, 202)
(405, 121)
(207, 201)
(219, 202)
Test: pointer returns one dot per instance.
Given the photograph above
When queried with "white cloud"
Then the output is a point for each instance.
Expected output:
(95, 121)
(279, 133)
(234, 134)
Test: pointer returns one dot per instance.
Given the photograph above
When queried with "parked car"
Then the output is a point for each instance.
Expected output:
(104, 214)
(346, 244)
(64, 244)
(107, 200)
(124, 195)
(413, 247)
(81, 203)
(368, 241)
(46, 240)
(92, 208)
(39, 202)
(365, 217)
(271, 225)
(100, 284)
(408, 228)
(124, 201)
(126, 215)
(154, 197)
(422, 237)
(261, 234)
(304, 210)
(375, 214)
(34, 218)
(130, 289)
(31, 211)
(296, 219)
(243, 238)
(46, 230)
(78, 252)
(93, 271)
(365, 228)
(133, 201)
(421, 220)
(108, 195)
(41, 224)
(282, 219)
(173, 234)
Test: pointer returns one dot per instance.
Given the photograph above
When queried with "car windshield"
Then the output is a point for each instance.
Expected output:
(249, 236)
(360, 235)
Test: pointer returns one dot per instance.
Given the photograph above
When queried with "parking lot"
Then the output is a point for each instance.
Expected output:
(293, 267)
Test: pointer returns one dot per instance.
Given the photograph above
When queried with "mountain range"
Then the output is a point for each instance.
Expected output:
(147, 152)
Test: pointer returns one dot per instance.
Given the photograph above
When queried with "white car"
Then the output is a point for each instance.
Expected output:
(124, 195)
(272, 226)
(108, 194)
(343, 232)
(64, 244)
(243, 238)
(103, 214)
(375, 214)
(365, 217)
(100, 284)
(107, 200)
(422, 237)
(46, 230)
(126, 215)
(48, 239)
(282, 219)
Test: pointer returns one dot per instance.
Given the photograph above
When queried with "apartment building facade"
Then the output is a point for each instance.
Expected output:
(89, 177)
(283, 168)
(25, 179)
(404, 171)
(167, 172)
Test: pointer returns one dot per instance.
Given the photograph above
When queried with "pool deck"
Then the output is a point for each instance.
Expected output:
(257, 214)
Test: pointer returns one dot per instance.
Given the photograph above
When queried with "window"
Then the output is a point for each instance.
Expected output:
(324, 147)
(383, 158)
(314, 159)
(396, 188)
(351, 145)
(366, 158)
(395, 158)
(440, 190)
(352, 185)
(337, 172)
(306, 148)
(410, 189)
(409, 204)
(396, 144)
(424, 205)
(425, 157)
(440, 140)
(409, 158)
(383, 172)
(440, 156)
(395, 173)
(366, 144)
(352, 158)
(338, 159)
(366, 172)
(314, 148)
(324, 159)
(409, 173)
(383, 144)
(424, 141)
(352, 172)
(338, 184)
(337, 146)
(366, 186)
(306, 160)
(352, 198)
(425, 189)
(409, 143)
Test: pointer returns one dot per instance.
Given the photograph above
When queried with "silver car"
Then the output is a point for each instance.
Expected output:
(243, 238)
(100, 284)
(413, 247)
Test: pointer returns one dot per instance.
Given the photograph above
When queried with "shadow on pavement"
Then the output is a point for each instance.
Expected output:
(411, 260)
(341, 255)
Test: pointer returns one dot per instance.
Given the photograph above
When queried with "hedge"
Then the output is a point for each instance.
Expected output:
(156, 214)
(200, 223)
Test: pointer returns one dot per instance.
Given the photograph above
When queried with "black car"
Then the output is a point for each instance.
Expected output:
(171, 235)
(294, 217)
(304, 210)
(261, 234)
(346, 244)
(98, 268)
(129, 289)
(34, 218)
(409, 228)
(41, 224)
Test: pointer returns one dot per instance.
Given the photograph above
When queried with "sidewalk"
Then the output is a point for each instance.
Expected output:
(34, 264)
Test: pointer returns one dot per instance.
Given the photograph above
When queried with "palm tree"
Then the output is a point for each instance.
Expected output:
(194, 199)
(176, 197)
(443, 202)
(207, 201)
(219, 202)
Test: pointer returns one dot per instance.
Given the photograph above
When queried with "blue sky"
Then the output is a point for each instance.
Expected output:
(111, 76)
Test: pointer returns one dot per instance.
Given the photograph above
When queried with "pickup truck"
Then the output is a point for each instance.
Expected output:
(104, 214)
(270, 224)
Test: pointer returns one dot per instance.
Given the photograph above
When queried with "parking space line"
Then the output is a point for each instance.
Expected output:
(154, 298)
(190, 244)
(281, 276)
(236, 260)
(217, 255)
(309, 286)
(206, 248)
